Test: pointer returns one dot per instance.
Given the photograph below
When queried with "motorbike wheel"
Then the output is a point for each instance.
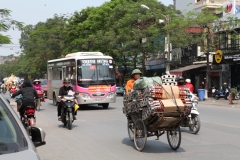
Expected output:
(38, 104)
(196, 124)
(216, 97)
(70, 119)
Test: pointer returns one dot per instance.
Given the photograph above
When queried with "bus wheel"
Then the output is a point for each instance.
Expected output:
(54, 100)
(105, 105)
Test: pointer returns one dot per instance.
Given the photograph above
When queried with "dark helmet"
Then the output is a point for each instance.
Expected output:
(66, 80)
(180, 78)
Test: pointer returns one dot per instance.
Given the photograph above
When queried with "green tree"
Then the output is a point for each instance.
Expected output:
(6, 23)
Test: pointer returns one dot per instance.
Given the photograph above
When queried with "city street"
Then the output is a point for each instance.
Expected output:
(101, 134)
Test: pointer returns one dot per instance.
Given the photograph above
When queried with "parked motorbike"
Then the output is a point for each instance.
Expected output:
(214, 91)
(222, 93)
(192, 120)
(67, 111)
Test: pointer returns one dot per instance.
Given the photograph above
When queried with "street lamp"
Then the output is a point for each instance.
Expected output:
(167, 20)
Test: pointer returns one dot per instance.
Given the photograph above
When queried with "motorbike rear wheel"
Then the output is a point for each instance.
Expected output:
(70, 119)
(216, 97)
(196, 124)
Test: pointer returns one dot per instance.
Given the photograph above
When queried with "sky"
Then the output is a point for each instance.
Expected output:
(34, 11)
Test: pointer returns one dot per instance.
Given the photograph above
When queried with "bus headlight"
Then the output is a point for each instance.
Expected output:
(111, 94)
(84, 95)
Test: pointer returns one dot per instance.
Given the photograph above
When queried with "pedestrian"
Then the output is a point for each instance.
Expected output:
(202, 85)
(189, 85)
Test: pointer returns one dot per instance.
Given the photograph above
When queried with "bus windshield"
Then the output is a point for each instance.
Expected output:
(95, 70)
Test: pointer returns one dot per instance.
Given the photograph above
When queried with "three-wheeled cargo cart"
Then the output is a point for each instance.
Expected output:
(139, 130)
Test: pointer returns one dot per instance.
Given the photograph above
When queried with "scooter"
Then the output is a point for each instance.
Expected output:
(68, 108)
(192, 120)
(213, 91)
(222, 94)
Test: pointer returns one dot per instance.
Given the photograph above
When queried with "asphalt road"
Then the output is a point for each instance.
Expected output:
(101, 134)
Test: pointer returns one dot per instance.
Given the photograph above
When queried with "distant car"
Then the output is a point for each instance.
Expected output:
(15, 142)
(44, 85)
(120, 90)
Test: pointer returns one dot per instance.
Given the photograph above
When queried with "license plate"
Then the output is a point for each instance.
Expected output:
(98, 99)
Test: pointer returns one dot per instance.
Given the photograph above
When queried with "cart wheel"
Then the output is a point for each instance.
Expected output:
(174, 138)
(130, 126)
(140, 135)
(195, 126)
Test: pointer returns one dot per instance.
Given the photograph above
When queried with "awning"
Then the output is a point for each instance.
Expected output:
(188, 68)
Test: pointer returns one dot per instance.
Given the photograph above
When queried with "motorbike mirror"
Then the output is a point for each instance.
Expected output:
(38, 136)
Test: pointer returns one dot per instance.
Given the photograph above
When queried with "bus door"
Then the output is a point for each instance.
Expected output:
(64, 72)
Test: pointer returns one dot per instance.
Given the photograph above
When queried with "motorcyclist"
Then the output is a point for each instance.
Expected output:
(189, 85)
(64, 91)
(28, 94)
(136, 74)
(38, 87)
(180, 81)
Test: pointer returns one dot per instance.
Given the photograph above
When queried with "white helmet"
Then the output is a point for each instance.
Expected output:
(188, 80)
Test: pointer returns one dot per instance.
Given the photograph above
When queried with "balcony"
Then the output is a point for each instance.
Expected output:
(209, 4)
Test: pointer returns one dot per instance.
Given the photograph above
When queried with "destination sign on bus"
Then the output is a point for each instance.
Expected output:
(99, 61)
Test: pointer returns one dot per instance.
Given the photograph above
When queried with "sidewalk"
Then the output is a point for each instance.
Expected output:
(219, 102)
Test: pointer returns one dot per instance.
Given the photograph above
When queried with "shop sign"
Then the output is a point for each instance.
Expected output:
(189, 54)
(218, 56)
(156, 64)
(226, 59)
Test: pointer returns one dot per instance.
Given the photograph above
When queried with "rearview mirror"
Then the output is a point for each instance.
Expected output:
(38, 136)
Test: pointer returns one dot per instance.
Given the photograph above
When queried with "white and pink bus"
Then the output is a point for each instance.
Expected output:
(92, 77)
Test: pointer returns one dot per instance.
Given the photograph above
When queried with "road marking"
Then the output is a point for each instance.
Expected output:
(222, 124)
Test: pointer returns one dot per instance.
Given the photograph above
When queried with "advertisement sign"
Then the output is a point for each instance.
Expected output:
(230, 8)
(226, 59)
(156, 64)
(99, 88)
(189, 54)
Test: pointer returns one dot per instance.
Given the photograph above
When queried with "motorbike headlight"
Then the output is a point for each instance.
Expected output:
(111, 94)
(84, 95)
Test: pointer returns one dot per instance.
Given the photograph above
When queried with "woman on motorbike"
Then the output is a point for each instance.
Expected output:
(64, 91)
(28, 94)
(38, 87)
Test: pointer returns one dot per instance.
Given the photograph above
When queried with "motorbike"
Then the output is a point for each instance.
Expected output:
(40, 99)
(12, 90)
(67, 111)
(29, 119)
(214, 91)
(192, 120)
(3, 89)
(222, 93)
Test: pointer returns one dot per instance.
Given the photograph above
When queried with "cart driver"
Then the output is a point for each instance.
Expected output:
(136, 74)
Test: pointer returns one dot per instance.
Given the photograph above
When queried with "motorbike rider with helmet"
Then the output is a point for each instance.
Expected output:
(136, 74)
(180, 81)
(189, 85)
(28, 94)
(64, 91)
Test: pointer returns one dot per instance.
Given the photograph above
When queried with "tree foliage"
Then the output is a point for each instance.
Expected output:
(119, 28)
(6, 23)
